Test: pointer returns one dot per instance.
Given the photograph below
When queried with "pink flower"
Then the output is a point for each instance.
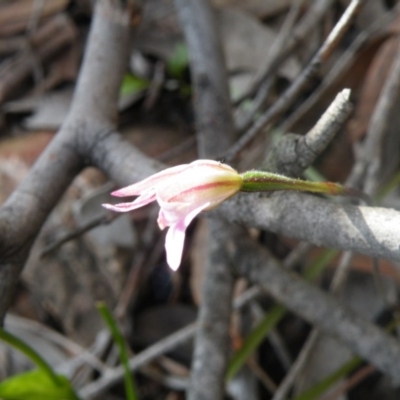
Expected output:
(182, 192)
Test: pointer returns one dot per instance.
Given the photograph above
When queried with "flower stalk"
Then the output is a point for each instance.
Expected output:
(261, 181)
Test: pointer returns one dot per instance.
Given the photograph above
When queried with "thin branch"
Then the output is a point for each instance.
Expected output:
(294, 153)
(98, 221)
(302, 358)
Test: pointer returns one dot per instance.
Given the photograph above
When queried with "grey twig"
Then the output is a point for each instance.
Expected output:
(100, 220)
(287, 383)
(294, 153)
(212, 345)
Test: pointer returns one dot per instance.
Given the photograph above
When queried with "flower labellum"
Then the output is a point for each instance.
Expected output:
(182, 192)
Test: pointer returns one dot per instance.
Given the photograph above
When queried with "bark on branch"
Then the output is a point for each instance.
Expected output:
(373, 231)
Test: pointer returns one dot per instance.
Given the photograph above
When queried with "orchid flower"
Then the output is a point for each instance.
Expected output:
(184, 191)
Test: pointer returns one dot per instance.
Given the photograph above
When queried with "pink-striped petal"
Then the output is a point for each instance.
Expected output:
(120, 207)
(175, 238)
(150, 182)
(141, 201)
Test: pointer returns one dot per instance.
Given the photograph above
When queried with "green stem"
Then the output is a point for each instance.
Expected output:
(260, 181)
(31, 354)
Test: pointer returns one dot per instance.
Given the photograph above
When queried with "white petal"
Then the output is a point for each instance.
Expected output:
(175, 238)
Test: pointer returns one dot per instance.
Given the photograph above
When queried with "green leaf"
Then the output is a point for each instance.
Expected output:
(36, 385)
(131, 84)
(254, 339)
(322, 386)
(318, 265)
(30, 353)
(316, 391)
(130, 388)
